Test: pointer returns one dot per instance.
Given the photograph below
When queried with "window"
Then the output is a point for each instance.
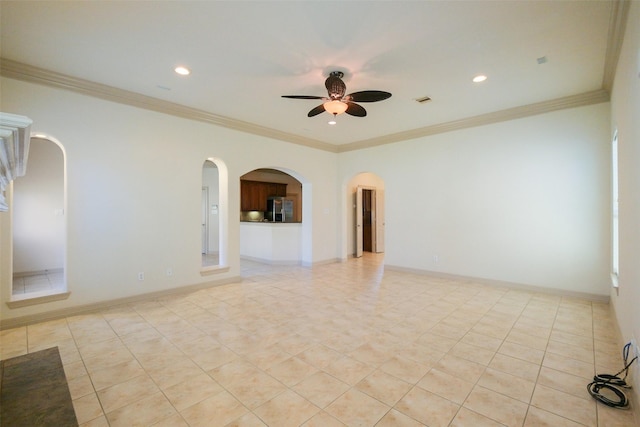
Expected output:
(615, 261)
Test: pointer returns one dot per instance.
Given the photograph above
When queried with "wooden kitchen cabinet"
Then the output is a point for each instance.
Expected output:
(254, 194)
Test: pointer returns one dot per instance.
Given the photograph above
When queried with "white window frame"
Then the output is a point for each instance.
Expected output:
(615, 232)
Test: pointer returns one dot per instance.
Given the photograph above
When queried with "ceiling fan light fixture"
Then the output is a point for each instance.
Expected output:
(479, 78)
(335, 107)
(183, 71)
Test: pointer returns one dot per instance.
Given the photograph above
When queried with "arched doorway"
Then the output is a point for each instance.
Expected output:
(275, 236)
(38, 221)
(214, 218)
(365, 216)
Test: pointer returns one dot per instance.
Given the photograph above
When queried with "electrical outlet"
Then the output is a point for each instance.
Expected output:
(141, 276)
(169, 272)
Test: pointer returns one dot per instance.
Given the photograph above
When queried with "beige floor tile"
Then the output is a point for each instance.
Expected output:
(247, 420)
(96, 422)
(270, 356)
(355, 408)
(483, 341)
(518, 351)
(372, 354)
(561, 381)
(395, 418)
(427, 408)
(498, 407)
(256, 389)
(221, 409)
(460, 368)
(80, 386)
(174, 420)
(349, 370)
(291, 371)
(436, 342)
(507, 384)
(192, 391)
(472, 353)
(116, 374)
(468, 418)
(100, 348)
(175, 372)
(288, 409)
(516, 367)
(613, 417)
(569, 365)
(322, 419)
(405, 369)
(571, 351)
(320, 389)
(108, 359)
(539, 418)
(125, 393)
(446, 385)
(527, 340)
(384, 387)
(87, 408)
(146, 411)
(74, 370)
(565, 405)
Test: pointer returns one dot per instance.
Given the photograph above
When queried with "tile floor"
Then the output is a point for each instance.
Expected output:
(48, 281)
(338, 345)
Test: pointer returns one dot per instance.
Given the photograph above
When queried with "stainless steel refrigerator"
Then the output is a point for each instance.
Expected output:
(280, 209)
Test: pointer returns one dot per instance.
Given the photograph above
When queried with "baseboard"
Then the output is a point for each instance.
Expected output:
(87, 308)
(270, 261)
(291, 263)
(503, 284)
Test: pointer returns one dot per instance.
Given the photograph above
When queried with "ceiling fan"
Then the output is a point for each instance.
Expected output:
(337, 102)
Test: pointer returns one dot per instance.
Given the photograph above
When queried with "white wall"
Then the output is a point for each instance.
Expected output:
(38, 211)
(524, 201)
(134, 181)
(625, 111)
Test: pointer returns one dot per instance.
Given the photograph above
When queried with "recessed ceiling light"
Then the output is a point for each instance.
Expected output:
(332, 122)
(183, 71)
(479, 78)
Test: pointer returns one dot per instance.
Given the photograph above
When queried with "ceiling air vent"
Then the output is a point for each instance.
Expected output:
(423, 99)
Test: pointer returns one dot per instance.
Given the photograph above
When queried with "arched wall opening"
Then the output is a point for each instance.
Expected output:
(275, 233)
(38, 222)
(214, 230)
(363, 227)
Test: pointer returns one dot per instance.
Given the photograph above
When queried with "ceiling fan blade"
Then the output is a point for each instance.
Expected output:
(319, 109)
(368, 96)
(304, 97)
(354, 109)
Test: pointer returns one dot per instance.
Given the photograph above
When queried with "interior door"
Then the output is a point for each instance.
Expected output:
(379, 221)
(358, 218)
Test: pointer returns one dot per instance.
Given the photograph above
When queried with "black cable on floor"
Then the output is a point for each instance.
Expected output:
(605, 388)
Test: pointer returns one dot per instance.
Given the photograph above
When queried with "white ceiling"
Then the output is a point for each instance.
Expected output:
(245, 55)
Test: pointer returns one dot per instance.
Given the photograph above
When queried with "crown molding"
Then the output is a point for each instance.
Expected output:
(29, 73)
(588, 98)
(617, 27)
(24, 72)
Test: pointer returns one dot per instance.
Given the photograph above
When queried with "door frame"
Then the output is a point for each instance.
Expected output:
(377, 220)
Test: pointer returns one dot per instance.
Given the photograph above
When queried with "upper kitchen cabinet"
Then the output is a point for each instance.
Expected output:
(254, 194)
